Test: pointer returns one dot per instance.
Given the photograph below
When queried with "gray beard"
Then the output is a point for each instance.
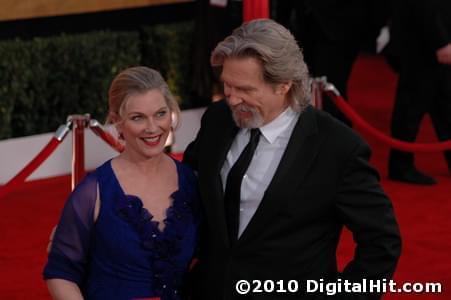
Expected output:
(256, 121)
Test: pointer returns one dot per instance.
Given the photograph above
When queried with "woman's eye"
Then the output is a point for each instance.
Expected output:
(136, 118)
(162, 113)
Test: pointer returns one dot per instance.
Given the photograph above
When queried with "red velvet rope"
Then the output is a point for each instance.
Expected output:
(107, 138)
(30, 168)
(359, 122)
(338, 100)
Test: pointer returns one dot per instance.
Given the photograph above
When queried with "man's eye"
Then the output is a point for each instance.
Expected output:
(246, 90)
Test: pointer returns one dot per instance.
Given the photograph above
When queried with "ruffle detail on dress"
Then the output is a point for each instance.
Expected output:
(164, 245)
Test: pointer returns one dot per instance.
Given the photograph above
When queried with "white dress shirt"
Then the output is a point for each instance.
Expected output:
(273, 141)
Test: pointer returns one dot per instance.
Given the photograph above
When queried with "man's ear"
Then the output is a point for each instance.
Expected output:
(283, 88)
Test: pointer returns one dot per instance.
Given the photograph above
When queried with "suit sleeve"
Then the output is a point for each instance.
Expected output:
(365, 209)
(192, 152)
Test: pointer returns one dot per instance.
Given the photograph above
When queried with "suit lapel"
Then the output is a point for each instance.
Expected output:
(301, 151)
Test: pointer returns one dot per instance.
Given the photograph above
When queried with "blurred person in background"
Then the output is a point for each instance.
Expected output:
(420, 50)
(215, 19)
(331, 34)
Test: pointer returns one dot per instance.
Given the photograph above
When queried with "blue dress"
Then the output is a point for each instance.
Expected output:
(124, 255)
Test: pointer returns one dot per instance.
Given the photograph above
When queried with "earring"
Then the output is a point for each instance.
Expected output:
(121, 135)
(174, 120)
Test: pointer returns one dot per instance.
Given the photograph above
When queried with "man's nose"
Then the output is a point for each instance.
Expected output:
(233, 98)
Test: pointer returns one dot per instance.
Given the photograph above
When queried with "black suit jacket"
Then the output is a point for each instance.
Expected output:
(323, 182)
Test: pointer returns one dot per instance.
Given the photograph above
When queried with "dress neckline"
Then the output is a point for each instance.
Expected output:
(132, 201)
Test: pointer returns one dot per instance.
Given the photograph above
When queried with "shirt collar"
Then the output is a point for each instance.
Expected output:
(278, 126)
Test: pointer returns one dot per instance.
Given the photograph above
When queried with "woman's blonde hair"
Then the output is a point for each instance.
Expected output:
(137, 80)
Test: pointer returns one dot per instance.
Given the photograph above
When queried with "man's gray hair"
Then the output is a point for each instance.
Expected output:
(277, 50)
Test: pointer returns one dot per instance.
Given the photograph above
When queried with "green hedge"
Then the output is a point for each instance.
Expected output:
(168, 49)
(44, 80)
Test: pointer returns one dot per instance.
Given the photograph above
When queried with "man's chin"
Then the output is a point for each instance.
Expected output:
(250, 122)
(242, 124)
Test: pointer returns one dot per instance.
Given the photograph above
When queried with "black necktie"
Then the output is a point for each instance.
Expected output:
(233, 186)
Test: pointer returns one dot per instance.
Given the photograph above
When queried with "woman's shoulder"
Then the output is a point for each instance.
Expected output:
(87, 188)
(87, 184)
(104, 168)
(188, 183)
(186, 171)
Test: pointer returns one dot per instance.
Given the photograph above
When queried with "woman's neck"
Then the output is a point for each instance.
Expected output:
(143, 164)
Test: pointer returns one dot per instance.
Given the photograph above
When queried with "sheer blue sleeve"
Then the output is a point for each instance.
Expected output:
(69, 252)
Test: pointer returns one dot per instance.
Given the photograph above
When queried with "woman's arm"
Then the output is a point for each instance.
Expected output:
(67, 263)
(61, 289)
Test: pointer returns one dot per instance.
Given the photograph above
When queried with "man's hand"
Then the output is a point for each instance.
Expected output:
(444, 54)
(52, 234)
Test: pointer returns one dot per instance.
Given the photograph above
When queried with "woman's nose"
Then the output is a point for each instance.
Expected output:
(151, 126)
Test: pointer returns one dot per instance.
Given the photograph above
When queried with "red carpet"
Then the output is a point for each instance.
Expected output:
(27, 216)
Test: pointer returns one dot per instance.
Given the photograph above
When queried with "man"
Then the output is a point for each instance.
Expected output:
(331, 34)
(421, 34)
(279, 179)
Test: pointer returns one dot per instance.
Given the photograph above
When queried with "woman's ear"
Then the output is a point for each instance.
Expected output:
(113, 117)
(115, 120)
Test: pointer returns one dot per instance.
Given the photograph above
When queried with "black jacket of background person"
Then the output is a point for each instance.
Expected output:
(418, 28)
(347, 20)
(331, 34)
(339, 20)
(323, 182)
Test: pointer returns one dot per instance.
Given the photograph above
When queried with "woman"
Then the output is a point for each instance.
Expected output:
(129, 229)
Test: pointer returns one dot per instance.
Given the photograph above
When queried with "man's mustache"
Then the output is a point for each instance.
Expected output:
(243, 108)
